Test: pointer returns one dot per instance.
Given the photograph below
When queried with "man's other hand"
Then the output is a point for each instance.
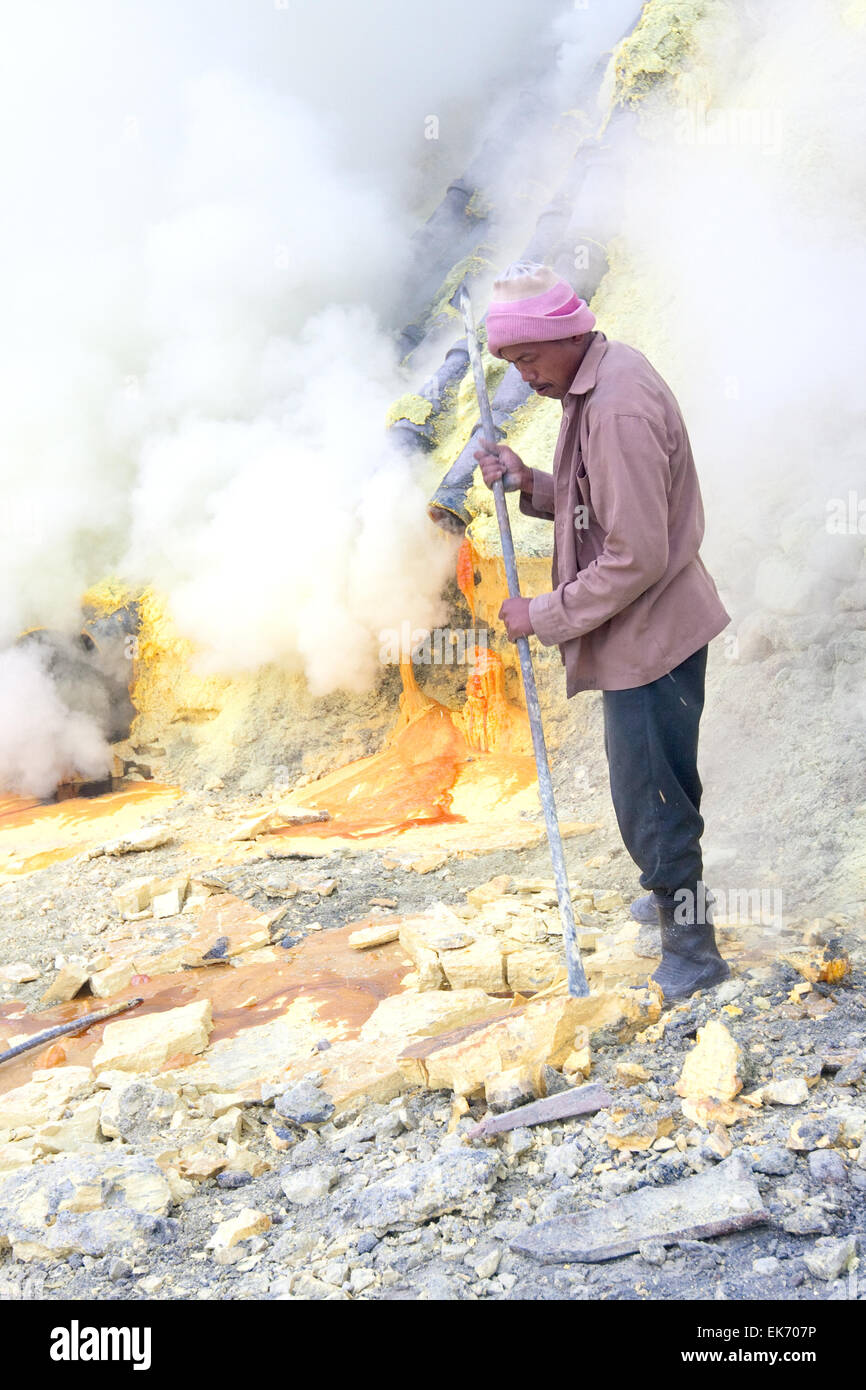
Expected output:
(498, 461)
(515, 615)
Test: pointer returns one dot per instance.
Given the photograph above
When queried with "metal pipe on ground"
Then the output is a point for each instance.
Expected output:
(61, 1030)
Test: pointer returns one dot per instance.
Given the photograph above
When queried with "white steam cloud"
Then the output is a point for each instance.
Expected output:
(41, 740)
(208, 240)
(209, 232)
(744, 223)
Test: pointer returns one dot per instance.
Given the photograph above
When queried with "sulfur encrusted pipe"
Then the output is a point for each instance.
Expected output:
(76, 1025)
(577, 985)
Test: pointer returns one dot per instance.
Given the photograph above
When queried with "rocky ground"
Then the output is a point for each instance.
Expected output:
(395, 1200)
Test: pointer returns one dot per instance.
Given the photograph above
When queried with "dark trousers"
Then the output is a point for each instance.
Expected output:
(651, 742)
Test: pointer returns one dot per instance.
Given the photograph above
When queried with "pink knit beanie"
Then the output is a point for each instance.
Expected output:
(532, 305)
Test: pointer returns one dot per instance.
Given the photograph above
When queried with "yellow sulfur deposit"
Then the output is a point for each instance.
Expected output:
(106, 597)
(409, 407)
(665, 52)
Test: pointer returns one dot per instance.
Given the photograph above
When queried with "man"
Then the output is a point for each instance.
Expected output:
(632, 607)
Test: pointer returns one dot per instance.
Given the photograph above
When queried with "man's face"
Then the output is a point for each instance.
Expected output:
(549, 368)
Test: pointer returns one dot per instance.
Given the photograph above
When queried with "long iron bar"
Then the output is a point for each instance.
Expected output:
(76, 1025)
(577, 985)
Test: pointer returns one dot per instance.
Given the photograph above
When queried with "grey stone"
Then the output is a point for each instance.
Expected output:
(137, 1112)
(562, 1161)
(773, 1160)
(417, 1192)
(717, 1202)
(560, 1203)
(233, 1180)
(218, 949)
(829, 1257)
(729, 990)
(807, 1220)
(852, 1073)
(389, 1125)
(652, 1252)
(767, 1265)
(308, 1151)
(648, 942)
(826, 1165)
(554, 1082)
(162, 1230)
(487, 1264)
(518, 1142)
(118, 1270)
(791, 1090)
(439, 1288)
(615, 1181)
(35, 1214)
(304, 1103)
(305, 1185)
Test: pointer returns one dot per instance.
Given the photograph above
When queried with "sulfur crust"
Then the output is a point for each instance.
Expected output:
(409, 407)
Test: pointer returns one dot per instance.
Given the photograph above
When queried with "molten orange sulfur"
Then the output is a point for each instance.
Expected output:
(431, 752)
(466, 561)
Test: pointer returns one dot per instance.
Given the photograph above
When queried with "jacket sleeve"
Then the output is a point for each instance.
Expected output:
(540, 502)
(628, 468)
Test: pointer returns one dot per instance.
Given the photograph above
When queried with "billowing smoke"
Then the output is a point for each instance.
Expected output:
(43, 740)
(205, 260)
(743, 279)
(209, 219)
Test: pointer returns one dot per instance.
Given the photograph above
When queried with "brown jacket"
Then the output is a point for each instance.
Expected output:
(631, 597)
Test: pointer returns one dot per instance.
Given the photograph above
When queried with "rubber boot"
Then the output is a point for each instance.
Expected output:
(690, 957)
(644, 910)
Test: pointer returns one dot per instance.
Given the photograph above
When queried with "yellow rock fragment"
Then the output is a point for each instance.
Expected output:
(710, 1070)
(533, 968)
(486, 892)
(409, 1016)
(477, 965)
(514, 1087)
(631, 1073)
(540, 1031)
(113, 979)
(799, 992)
(459, 1108)
(638, 1132)
(426, 863)
(707, 1112)
(242, 1160)
(720, 1142)
(379, 935)
(578, 1063)
(201, 1161)
(828, 964)
(244, 1226)
(146, 1044)
(65, 985)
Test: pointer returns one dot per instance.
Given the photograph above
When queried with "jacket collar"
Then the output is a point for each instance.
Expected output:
(587, 372)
